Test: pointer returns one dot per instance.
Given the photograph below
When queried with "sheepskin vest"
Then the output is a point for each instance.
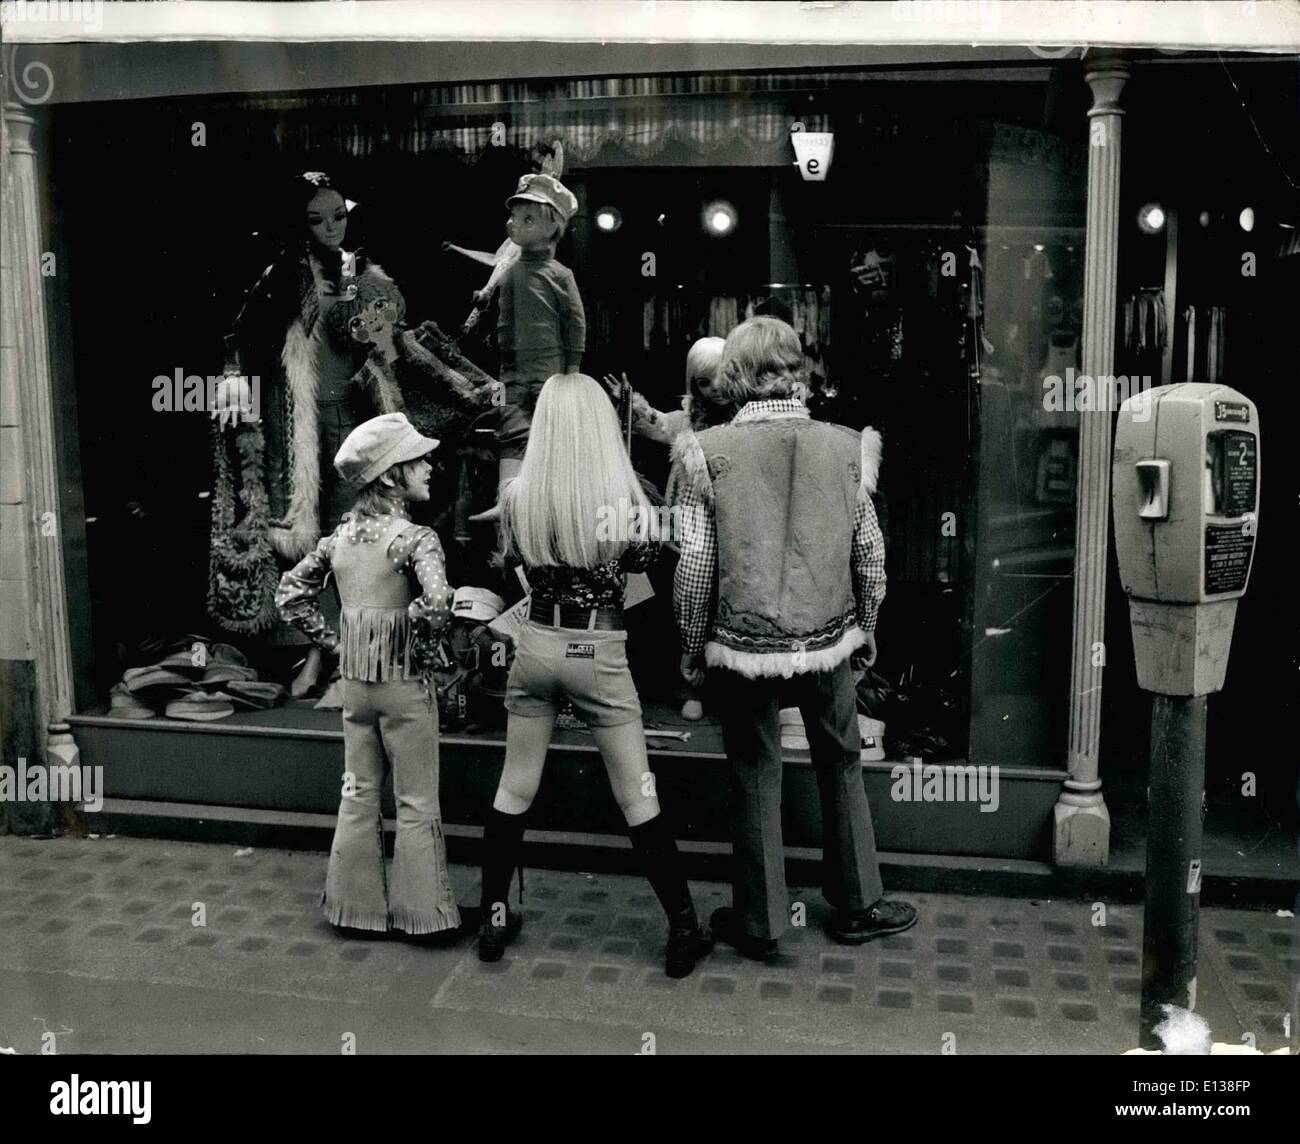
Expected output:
(784, 490)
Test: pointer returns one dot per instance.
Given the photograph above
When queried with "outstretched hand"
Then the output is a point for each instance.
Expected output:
(615, 385)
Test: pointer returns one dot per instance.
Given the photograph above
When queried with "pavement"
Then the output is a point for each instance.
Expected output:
(99, 947)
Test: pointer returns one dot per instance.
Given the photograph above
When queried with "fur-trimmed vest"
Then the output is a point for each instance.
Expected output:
(784, 490)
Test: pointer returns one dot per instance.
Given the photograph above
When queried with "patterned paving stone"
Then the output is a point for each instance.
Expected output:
(1039, 976)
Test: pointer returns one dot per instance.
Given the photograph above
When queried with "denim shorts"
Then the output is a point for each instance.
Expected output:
(589, 668)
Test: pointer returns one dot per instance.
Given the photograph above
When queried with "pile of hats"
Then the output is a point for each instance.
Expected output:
(197, 681)
(871, 734)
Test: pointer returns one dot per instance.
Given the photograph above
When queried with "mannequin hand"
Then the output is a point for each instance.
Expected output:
(865, 656)
(615, 386)
(692, 670)
(233, 402)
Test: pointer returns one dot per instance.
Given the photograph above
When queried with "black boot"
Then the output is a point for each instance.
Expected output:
(688, 941)
(503, 836)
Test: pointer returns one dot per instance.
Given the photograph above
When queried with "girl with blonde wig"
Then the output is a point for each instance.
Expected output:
(577, 518)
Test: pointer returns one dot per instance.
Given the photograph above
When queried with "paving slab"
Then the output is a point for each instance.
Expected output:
(100, 936)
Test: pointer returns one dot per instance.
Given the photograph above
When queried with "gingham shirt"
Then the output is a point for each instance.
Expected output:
(695, 583)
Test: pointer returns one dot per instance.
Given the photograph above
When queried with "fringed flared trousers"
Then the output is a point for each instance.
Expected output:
(389, 724)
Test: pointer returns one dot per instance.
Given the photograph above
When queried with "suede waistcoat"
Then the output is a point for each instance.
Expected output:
(785, 491)
(375, 631)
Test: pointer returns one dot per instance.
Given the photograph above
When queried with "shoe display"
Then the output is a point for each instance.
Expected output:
(725, 924)
(878, 920)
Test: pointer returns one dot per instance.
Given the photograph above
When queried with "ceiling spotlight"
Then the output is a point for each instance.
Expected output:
(1204, 218)
(1151, 218)
(1247, 219)
(609, 219)
(720, 218)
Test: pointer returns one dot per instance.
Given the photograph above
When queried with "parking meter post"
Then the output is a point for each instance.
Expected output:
(1175, 797)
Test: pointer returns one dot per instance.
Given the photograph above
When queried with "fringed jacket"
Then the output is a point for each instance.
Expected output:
(393, 587)
(782, 566)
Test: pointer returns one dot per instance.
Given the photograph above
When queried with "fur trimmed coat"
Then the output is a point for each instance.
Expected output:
(267, 491)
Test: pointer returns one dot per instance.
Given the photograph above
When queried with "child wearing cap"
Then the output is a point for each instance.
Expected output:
(393, 587)
(541, 323)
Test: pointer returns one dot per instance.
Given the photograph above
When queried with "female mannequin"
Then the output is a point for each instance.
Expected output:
(276, 487)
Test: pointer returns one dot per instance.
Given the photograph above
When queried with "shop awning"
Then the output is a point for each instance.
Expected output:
(98, 51)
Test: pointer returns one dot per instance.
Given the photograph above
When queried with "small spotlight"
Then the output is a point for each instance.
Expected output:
(609, 219)
(1039, 247)
(1247, 219)
(1204, 218)
(720, 218)
(1151, 218)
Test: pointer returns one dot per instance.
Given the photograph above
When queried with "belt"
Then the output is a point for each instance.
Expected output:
(554, 615)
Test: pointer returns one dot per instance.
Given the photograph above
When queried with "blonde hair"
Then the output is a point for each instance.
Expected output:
(703, 358)
(575, 480)
(383, 494)
(762, 358)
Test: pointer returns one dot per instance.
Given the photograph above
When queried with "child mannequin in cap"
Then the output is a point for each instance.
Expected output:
(541, 324)
(393, 588)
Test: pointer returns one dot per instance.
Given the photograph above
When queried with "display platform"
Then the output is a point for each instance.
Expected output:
(291, 759)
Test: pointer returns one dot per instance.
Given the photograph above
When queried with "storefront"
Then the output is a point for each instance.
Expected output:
(960, 255)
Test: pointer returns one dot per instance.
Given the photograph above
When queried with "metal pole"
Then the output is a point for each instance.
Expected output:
(1175, 797)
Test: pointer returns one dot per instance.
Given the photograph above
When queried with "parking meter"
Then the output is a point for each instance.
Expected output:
(1185, 488)
(1185, 492)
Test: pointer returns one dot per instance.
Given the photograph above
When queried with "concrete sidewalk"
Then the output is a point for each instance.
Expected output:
(98, 947)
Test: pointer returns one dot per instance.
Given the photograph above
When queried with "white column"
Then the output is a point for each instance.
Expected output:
(33, 604)
(1082, 823)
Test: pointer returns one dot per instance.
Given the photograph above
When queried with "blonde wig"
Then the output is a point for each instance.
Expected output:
(576, 483)
(762, 359)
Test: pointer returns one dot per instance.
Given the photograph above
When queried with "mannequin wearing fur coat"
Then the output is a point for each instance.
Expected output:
(276, 490)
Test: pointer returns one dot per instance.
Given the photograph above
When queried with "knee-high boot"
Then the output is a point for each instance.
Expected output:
(503, 836)
(688, 941)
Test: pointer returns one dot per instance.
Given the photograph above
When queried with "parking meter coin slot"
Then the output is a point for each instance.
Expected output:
(1153, 489)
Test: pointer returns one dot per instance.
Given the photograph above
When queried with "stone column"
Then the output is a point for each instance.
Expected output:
(34, 643)
(1082, 823)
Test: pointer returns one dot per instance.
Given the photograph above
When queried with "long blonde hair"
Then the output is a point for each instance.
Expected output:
(576, 489)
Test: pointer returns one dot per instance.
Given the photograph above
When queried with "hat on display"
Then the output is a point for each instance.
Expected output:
(220, 673)
(137, 679)
(200, 707)
(549, 190)
(256, 694)
(188, 662)
(123, 705)
(872, 733)
(792, 730)
(476, 604)
(376, 445)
